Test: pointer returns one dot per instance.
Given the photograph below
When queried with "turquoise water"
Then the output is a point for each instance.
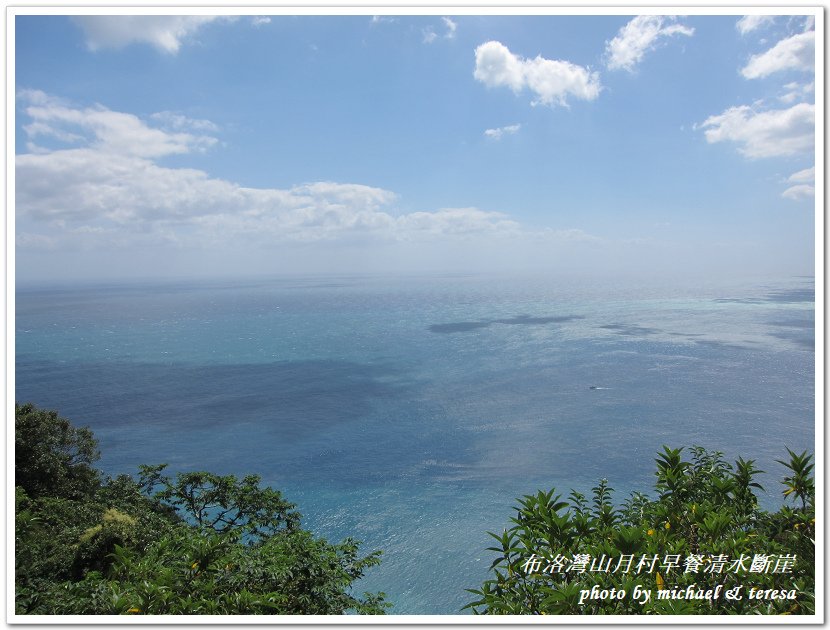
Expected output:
(410, 412)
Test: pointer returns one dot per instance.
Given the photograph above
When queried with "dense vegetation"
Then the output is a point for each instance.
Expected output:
(198, 543)
(703, 546)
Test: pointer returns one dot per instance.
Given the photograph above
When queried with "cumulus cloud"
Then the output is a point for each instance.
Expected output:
(164, 32)
(497, 133)
(641, 35)
(108, 188)
(763, 134)
(552, 81)
(108, 131)
(804, 185)
(794, 53)
(84, 188)
(749, 23)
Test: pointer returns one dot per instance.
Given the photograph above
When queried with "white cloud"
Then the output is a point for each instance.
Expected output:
(108, 190)
(749, 23)
(36, 129)
(552, 81)
(801, 191)
(430, 35)
(796, 91)
(164, 32)
(454, 221)
(260, 21)
(794, 53)
(807, 175)
(174, 120)
(103, 195)
(497, 133)
(639, 36)
(804, 187)
(764, 134)
(496, 66)
(451, 27)
(109, 131)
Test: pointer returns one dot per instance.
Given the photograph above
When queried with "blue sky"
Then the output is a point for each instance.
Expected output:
(213, 145)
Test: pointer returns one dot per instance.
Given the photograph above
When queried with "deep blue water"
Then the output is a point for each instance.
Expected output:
(410, 412)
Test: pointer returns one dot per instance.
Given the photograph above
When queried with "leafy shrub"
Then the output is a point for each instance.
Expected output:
(703, 537)
(52, 457)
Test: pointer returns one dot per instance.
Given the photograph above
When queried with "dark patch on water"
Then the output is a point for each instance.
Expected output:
(788, 296)
(799, 329)
(804, 342)
(631, 330)
(336, 423)
(458, 327)
(286, 400)
(794, 323)
(798, 337)
(714, 343)
(739, 300)
(527, 319)
(776, 296)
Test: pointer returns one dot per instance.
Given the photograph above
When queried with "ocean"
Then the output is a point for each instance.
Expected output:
(409, 412)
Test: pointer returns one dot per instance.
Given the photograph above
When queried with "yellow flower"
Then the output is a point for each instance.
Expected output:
(194, 565)
(668, 526)
(134, 610)
(650, 532)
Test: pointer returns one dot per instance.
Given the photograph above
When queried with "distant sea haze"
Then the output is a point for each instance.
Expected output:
(410, 413)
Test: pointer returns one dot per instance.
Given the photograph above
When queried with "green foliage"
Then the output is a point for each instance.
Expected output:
(703, 531)
(221, 503)
(799, 483)
(53, 458)
(197, 544)
(192, 571)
